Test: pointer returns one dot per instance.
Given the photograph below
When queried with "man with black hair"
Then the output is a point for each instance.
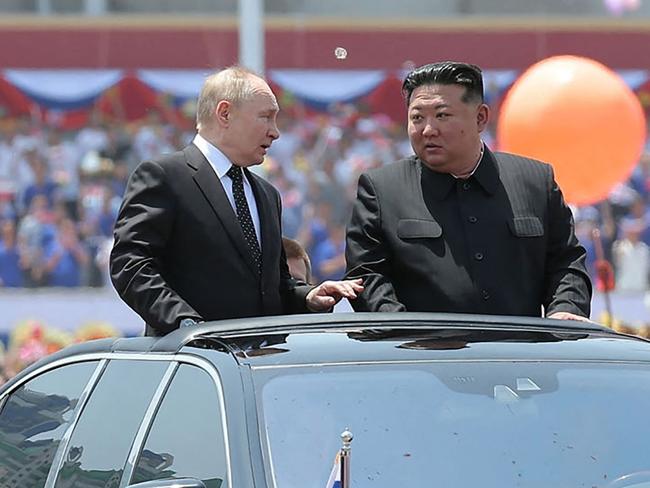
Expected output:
(458, 228)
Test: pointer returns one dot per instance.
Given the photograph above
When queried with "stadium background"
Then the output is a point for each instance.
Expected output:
(340, 116)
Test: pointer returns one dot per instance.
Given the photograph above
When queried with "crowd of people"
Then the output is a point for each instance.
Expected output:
(60, 191)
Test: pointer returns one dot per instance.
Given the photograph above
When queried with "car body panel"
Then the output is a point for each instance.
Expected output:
(241, 356)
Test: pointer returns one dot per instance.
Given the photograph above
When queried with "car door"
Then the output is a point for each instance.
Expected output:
(35, 417)
(101, 440)
(186, 437)
(108, 420)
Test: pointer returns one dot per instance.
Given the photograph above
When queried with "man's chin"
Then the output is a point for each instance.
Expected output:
(257, 162)
(435, 164)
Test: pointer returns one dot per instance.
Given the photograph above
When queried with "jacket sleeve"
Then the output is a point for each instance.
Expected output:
(567, 286)
(142, 229)
(367, 254)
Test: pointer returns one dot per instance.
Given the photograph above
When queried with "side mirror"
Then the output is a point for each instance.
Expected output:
(170, 483)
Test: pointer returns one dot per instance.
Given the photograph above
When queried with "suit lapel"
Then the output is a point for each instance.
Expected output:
(207, 181)
(265, 204)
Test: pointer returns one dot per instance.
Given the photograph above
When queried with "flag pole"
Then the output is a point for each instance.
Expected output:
(347, 437)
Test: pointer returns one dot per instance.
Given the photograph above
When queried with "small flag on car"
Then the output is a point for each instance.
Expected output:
(334, 480)
(340, 475)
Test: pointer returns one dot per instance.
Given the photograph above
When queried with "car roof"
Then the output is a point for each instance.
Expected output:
(319, 338)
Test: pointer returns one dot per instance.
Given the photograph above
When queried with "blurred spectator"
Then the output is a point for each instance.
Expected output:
(11, 264)
(328, 256)
(118, 182)
(20, 138)
(119, 147)
(93, 137)
(35, 231)
(151, 139)
(631, 259)
(639, 215)
(43, 184)
(65, 256)
(314, 228)
(63, 158)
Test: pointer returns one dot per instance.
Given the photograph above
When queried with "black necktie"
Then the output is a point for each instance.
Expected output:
(244, 214)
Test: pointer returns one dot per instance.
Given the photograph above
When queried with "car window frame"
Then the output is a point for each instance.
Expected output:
(147, 423)
(86, 391)
(140, 437)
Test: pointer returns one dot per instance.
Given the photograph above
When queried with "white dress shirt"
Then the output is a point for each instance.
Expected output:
(221, 164)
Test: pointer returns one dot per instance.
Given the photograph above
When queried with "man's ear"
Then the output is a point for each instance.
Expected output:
(482, 116)
(222, 113)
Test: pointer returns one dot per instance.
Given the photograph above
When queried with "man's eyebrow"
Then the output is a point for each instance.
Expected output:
(436, 106)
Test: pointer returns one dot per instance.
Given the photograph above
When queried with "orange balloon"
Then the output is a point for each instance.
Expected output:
(579, 116)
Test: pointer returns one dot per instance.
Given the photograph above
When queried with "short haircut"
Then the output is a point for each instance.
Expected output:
(294, 250)
(232, 84)
(466, 75)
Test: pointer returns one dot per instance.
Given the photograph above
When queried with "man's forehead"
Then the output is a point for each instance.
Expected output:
(444, 94)
(263, 92)
(261, 102)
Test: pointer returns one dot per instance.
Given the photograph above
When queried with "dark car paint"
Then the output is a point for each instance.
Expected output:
(237, 347)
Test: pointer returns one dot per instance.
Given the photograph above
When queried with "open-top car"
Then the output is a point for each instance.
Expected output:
(431, 400)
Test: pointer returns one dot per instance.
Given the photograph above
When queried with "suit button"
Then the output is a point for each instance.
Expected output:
(472, 219)
(478, 256)
(466, 186)
(485, 294)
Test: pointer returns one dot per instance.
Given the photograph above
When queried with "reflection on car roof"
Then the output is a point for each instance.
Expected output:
(375, 337)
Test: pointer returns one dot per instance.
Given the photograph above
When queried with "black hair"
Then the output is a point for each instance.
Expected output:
(466, 75)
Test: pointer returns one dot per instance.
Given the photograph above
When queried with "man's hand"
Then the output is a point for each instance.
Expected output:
(329, 293)
(568, 316)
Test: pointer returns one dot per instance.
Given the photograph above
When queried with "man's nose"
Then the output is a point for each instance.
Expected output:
(274, 133)
(429, 129)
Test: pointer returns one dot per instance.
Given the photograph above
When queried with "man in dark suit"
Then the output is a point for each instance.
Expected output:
(198, 235)
(457, 228)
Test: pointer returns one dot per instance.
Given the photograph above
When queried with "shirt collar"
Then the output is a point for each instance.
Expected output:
(478, 163)
(485, 173)
(218, 160)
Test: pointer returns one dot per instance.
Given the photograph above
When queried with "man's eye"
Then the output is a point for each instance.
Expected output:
(442, 115)
(416, 118)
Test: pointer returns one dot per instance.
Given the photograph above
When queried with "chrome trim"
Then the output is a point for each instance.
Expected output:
(59, 457)
(146, 423)
(92, 356)
(209, 368)
(433, 361)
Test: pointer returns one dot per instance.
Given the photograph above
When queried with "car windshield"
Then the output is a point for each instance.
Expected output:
(453, 424)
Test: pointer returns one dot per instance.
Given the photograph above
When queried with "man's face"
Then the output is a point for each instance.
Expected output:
(252, 126)
(445, 131)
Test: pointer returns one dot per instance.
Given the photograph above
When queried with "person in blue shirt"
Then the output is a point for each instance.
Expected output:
(65, 257)
(42, 185)
(11, 269)
(328, 256)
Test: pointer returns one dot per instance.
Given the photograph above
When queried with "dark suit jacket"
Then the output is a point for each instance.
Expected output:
(180, 252)
(500, 242)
